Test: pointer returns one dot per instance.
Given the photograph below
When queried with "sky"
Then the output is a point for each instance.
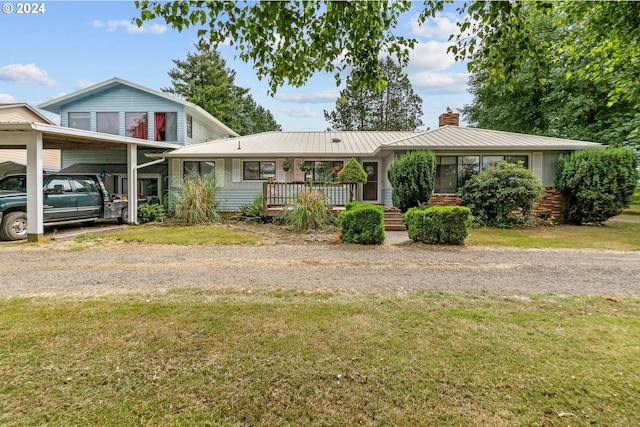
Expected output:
(69, 45)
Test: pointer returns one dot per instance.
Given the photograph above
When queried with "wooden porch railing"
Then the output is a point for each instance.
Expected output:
(277, 195)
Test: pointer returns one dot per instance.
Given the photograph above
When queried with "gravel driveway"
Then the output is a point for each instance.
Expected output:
(56, 269)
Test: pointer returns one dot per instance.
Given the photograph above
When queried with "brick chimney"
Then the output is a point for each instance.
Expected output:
(449, 118)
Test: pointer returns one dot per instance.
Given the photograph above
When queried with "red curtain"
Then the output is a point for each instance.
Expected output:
(160, 118)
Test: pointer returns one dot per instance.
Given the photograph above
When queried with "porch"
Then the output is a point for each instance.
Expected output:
(277, 195)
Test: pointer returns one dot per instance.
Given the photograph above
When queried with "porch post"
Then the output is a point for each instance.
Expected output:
(132, 183)
(35, 199)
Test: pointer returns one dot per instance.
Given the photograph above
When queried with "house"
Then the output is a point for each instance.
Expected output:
(15, 160)
(122, 108)
(245, 166)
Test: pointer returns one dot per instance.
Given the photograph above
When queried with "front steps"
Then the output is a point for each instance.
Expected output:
(393, 220)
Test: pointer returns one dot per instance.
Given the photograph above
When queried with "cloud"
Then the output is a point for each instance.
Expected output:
(439, 83)
(430, 56)
(440, 27)
(130, 27)
(5, 98)
(310, 98)
(25, 73)
(299, 112)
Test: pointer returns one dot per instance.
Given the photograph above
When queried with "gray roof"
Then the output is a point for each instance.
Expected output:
(463, 138)
(275, 143)
(344, 144)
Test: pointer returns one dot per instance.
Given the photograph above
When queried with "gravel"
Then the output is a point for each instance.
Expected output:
(66, 268)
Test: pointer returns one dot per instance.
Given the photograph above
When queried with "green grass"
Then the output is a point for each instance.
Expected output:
(194, 358)
(178, 235)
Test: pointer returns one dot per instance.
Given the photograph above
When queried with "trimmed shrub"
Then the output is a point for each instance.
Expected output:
(412, 179)
(362, 224)
(438, 225)
(150, 213)
(596, 184)
(501, 196)
(309, 211)
(254, 211)
(196, 202)
(352, 173)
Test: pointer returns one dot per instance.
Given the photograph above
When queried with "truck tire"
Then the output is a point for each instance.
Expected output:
(14, 226)
(124, 216)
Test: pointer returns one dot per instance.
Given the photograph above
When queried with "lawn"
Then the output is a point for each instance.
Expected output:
(194, 358)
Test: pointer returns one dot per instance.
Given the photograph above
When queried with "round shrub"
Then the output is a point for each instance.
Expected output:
(438, 225)
(501, 196)
(362, 224)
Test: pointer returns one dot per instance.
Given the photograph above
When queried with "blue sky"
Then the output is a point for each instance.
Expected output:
(73, 44)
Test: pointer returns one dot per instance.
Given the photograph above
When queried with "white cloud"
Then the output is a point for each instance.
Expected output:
(438, 83)
(299, 112)
(5, 98)
(130, 27)
(25, 73)
(310, 98)
(430, 56)
(81, 84)
(440, 27)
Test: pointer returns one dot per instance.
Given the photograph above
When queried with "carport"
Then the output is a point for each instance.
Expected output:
(35, 137)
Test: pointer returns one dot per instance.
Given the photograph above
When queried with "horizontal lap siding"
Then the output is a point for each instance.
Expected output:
(231, 199)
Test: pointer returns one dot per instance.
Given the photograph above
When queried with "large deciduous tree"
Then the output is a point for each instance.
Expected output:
(396, 107)
(204, 79)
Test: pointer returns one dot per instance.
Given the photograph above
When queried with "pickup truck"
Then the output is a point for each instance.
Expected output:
(67, 198)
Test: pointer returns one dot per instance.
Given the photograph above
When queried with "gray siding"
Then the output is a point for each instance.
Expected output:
(126, 99)
(549, 167)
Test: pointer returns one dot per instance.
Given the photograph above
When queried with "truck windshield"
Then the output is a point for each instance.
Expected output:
(13, 183)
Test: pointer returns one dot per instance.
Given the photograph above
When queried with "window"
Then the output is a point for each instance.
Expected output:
(489, 161)
(84, 185)
(13, 183)
(189, 126)
(108, 123)
(258, 170)
(80, 121)
(136, 125)
(58, 185)
(452, 172)
(200, 168)
(166, 126)
(325, 170)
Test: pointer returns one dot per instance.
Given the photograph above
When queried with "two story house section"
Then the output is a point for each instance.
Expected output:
(119, 107)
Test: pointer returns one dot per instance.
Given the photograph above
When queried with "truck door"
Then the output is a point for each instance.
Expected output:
(60, 201)
(88, 195)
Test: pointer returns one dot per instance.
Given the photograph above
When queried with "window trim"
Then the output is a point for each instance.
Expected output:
(88, 113)
(243, 161)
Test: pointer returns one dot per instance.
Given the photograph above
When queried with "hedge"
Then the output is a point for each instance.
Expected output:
(361, 224)
(440, 225)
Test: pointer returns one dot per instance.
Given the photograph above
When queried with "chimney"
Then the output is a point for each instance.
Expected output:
(449, 118)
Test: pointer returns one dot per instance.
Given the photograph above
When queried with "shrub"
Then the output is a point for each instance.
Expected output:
(254, 211)
(412, 179)
(196, 203)
(635, 198)
(596, 184)
(440, 225)
(150, 213)
(501, 196)
(309, 211)
(352, 173)
(362, 224)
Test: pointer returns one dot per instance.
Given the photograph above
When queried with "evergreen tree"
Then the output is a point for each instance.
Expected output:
(204, 80)
(396, 107)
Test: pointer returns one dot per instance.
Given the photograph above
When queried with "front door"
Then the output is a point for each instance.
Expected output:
(370, 189)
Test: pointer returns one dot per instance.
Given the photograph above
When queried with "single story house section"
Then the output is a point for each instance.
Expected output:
(242, 165)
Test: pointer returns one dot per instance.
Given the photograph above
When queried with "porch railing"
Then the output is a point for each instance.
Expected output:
(277, 195)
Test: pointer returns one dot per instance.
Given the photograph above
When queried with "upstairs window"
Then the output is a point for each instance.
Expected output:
(136, 125)
(80, 121)
(166, 126)
(108, 123)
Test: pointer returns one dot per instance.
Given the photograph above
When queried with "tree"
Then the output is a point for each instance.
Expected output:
(204, 80)
(290, 41)
(502, 195)
(412, 179)
(396, 107)
(596, 184)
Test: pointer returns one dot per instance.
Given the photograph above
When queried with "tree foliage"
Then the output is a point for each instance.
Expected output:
(596, 184)
(412, 179)
(204, 80)
(502, 195)
(396, 107)
(352, 173)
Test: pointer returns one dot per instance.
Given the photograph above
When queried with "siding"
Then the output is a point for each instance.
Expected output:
(49, 157)
(125, 99)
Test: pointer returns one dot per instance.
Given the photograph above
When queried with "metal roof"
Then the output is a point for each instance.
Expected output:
(465, 138)
(54, 105)
(293, 144)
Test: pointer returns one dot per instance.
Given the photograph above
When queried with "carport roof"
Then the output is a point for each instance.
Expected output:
(58, 137)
